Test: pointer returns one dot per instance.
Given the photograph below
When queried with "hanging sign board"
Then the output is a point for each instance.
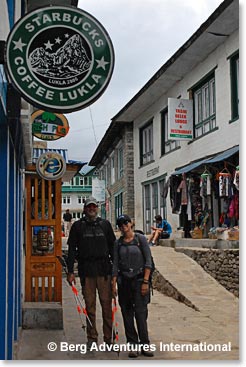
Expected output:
(59, 58)
(51, 166)
(180, 119)
(48, 125)
(98, 189)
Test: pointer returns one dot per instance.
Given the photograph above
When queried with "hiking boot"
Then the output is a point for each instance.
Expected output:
(90, 343)
(147, 353)
(133, 354)
(108, 341)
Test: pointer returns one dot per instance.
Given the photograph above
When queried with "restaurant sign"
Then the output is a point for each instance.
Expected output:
(48, 125)
(180, 119)
(60, 58)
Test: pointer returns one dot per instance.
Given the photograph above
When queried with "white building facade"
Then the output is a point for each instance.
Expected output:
(206, 70)
(77, 190)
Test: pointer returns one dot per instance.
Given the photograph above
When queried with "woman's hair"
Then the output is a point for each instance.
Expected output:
(158, 218)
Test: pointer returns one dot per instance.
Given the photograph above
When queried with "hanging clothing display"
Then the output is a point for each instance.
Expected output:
(236, 178)
(166, 187)
(205, 186)
(189, 209)
(183, 189)
(225, 188)
(206, 197)
(175, 196)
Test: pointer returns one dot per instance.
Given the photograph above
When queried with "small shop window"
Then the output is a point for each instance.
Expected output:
(112, 171)
(204, 106)
(146, 144)
(234, 63)
(167, 145)
(66, 200)
(120, 162)
(118, 205)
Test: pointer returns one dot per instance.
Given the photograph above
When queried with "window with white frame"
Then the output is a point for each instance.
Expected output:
(108, 173)
(204, 106)
(118, 205)
(154, 202)
(146, 144)
(120, 162)
(112, 170)
(81, 199)
(167, 145)
(66, 200)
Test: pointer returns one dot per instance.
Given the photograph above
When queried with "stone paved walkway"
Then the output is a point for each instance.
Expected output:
(170, 322)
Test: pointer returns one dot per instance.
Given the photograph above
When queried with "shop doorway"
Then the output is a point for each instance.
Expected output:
(43, 272)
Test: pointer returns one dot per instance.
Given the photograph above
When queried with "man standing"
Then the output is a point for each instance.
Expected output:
(67, 218)
(92, 239)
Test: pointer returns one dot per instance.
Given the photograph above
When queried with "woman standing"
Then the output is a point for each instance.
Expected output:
(131, 271)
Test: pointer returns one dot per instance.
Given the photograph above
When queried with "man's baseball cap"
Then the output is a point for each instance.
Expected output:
(90, 200)
(122, 219)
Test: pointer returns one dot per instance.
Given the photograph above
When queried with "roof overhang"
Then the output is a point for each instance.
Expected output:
(215, 158)
(212, 33)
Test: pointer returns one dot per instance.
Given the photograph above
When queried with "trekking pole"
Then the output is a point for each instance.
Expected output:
(80, 308)
(115, 332)
(80, 305)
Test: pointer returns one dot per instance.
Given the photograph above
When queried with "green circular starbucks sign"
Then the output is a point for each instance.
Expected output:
(59, 58)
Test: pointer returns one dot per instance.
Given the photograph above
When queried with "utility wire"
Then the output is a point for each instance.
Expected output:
(86, 128)
(93, 127)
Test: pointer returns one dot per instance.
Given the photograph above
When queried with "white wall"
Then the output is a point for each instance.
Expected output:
(225, 137)
(4, 23)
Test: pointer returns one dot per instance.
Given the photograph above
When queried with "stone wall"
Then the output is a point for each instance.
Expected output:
(223, 265)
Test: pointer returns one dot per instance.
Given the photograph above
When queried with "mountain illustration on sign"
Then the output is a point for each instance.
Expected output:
(69, 60)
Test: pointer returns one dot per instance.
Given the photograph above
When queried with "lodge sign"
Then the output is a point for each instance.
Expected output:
(180, 119)
(60, 58)
(49, 126)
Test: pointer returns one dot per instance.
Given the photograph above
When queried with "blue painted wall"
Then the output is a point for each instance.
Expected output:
(11, 224)
(4, 232)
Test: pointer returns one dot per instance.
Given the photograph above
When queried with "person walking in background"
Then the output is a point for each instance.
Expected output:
(131, 271)
(91, 241)
(67, 218)
(162, 230)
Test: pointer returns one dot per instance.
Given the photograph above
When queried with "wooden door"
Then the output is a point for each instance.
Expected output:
(43, 273)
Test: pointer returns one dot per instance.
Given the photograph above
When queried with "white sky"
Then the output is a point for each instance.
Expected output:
(145, 34)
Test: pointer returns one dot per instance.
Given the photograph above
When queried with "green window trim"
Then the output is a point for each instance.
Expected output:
(167, 145)
(204, 98)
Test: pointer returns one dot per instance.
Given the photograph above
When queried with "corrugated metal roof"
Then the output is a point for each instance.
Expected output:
(221, 156)
(38, 151)
(86, 169)
(63, 152)
(224, 155)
